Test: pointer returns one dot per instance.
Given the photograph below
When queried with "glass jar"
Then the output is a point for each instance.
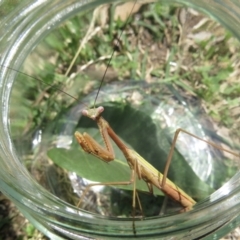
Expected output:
(22, 27)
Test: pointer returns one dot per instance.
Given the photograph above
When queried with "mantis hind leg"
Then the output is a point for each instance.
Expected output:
(169, 158)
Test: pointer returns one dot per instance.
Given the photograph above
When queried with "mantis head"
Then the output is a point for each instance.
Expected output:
(93, 113)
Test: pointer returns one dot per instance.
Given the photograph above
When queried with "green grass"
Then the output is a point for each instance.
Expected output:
(205, 76)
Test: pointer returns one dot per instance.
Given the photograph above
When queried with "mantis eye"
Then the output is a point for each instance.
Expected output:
(100, 110)
(85, 112)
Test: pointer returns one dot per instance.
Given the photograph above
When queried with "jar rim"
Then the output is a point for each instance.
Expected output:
(37, 28)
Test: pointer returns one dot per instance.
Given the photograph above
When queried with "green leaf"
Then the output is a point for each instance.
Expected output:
(92, 168)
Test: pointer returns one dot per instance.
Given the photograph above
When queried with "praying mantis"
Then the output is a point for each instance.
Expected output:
(139, 166)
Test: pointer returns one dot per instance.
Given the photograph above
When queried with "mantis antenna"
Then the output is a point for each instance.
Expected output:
(110, 59)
